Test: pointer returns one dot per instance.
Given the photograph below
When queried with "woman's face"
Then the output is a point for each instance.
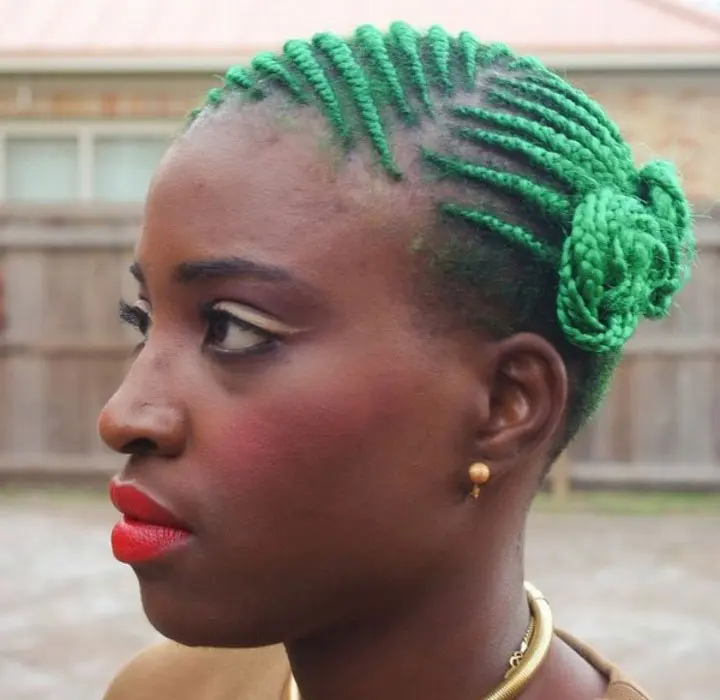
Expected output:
(287, 403)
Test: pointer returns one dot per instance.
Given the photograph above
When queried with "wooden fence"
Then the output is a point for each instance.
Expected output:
(63, 352)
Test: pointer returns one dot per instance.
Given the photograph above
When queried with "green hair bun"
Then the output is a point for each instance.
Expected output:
(625, 258)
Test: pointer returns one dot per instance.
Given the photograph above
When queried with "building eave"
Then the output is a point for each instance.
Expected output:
(204, 64)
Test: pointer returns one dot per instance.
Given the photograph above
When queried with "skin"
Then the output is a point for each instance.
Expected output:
(325, 476)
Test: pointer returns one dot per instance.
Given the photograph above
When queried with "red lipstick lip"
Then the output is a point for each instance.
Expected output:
(136, 504)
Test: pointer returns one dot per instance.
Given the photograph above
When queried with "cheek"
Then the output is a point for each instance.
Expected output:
(280, 441)
(324, 439)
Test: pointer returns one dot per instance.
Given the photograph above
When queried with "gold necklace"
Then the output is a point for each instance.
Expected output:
(518, 656)
(524, 663)
(538, 646)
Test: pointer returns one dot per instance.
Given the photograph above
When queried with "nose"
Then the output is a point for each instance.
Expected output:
(143, 416)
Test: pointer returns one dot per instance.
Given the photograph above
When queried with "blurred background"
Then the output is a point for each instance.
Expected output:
(625, 542)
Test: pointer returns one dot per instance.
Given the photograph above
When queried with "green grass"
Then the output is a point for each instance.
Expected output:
(56, 494)
(600, 502)
(631, 503)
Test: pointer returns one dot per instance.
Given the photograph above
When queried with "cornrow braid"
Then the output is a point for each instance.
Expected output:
(268, 64)
(469, 47)
(439, 45)
(534, 133)
(240, 78)
(342, 58)
(302, 56)
(372, 41)
(541, 197)
(407, 42)
(548, 191)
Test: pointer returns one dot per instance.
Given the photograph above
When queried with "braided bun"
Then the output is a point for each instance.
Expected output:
(624, 259)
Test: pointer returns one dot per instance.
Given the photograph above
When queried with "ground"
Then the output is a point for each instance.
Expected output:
(637, 577)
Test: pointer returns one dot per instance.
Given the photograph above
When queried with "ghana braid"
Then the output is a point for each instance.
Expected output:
(560, 204)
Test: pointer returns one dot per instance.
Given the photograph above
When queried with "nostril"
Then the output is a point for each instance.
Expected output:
(139, 446)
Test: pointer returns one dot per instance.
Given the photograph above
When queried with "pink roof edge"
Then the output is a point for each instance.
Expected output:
(152, 28)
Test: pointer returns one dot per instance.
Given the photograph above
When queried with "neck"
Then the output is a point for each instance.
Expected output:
(451, 642)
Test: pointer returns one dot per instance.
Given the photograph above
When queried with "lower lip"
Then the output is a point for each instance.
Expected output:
(134, 541)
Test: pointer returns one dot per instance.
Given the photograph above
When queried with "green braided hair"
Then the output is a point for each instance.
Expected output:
(554, 224)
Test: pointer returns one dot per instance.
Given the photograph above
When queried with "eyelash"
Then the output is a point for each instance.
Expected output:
(140, 320)
(134, 317)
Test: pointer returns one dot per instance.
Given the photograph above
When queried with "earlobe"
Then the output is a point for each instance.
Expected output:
(528, 392)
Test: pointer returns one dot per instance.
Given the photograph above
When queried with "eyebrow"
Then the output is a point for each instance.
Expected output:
(222, 268)
(137, 273)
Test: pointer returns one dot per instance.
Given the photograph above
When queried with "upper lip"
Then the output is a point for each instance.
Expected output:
(135, 503)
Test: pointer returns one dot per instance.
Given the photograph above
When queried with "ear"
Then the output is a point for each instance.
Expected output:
(525, 403)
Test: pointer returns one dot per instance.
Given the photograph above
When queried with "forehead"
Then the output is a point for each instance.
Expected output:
(280, 190)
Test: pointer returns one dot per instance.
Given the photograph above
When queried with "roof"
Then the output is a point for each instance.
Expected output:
(207, 33)
(706, 5)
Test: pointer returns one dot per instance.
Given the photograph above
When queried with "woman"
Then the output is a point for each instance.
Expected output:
(383, 282)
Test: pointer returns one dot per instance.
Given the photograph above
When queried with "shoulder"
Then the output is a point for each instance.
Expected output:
(170, 670)
(625, 690)
(620, 687)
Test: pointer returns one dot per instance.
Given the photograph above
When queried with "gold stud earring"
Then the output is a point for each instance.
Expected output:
(479, 475)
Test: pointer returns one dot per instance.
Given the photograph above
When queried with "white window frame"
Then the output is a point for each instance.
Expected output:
(86, 133)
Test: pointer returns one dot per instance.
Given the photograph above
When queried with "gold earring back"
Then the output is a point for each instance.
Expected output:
(479, 475)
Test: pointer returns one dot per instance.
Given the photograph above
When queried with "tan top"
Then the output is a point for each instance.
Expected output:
(169, 671)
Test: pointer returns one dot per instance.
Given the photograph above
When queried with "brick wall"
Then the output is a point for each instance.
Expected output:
(113, 97)
(672, 115)
(668, 115)
(69, 105)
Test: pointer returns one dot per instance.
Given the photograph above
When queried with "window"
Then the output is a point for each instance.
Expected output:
(42, 169)
(124, 166)
(107, 163)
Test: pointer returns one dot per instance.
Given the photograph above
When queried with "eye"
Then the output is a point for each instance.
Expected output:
(236, 329)
(137, 315)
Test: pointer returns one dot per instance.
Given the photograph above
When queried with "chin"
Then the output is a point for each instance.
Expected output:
(199, 623)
